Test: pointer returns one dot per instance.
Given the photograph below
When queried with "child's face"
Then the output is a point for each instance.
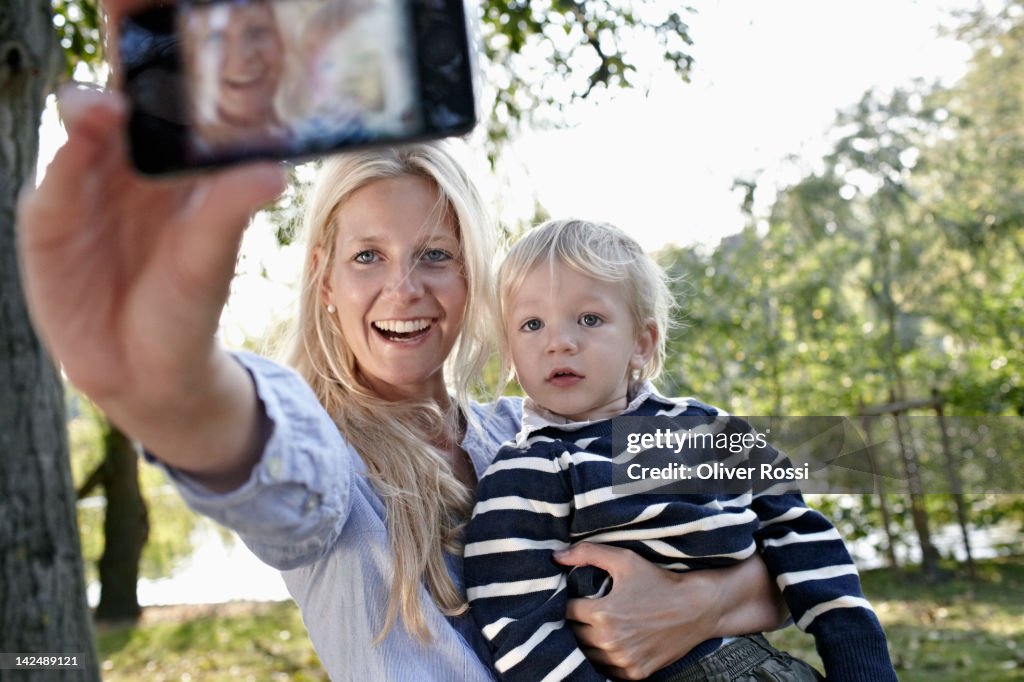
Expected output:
(573, 342)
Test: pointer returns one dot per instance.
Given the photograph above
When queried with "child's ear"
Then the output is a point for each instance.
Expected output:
(325, 280)
(643, 349)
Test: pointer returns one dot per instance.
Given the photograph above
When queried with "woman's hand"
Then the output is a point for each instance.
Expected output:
(654, 616)
(125, 279)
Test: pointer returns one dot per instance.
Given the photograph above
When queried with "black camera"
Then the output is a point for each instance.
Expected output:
(216, 82)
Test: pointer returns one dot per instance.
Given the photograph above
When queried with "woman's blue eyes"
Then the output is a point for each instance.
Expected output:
(436, 255)
(428, 256)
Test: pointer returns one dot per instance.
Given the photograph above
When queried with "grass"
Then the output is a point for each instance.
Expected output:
(237, 641)
(950, 631)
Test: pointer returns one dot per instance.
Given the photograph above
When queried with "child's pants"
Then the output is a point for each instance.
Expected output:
(748, 659)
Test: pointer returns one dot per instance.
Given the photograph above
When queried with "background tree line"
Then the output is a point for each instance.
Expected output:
(889, 279)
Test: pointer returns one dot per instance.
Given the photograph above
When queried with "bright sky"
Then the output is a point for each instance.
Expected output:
(660, 160)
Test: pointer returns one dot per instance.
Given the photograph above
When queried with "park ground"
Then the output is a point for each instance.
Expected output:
(954, 630)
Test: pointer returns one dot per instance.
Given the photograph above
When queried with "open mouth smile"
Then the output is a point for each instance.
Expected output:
(403, 330)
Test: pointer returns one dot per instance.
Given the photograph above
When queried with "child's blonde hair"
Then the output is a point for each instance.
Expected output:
(601, 251)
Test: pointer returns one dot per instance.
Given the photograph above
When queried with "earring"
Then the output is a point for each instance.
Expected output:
(331, 309)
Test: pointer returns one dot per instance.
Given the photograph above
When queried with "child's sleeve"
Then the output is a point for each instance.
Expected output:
(516, 590)
(811, 565)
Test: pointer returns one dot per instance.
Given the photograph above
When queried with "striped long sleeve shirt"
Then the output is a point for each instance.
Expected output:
(553, 488)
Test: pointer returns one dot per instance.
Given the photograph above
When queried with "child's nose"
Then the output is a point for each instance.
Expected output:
(562, 340)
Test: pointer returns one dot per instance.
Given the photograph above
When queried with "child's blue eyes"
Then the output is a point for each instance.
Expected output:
(585, 320)
(365, 257)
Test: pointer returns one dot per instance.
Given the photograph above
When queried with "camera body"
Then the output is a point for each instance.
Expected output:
(216, 82)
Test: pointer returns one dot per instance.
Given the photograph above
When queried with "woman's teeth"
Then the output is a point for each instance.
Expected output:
(402, 329)
(402, 326)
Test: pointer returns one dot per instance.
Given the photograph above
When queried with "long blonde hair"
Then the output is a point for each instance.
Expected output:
(426, 504)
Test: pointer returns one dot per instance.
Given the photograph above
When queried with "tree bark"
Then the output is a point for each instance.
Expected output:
(918, 513)
(125, 528)
(43, 607)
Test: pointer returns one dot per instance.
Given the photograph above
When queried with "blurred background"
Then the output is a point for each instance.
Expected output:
(837, 190)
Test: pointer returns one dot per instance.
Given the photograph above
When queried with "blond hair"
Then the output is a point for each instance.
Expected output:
(426, 504)
(606, 253)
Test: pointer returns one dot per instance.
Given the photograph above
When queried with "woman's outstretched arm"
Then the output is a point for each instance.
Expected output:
(125, 279)
(654, 616)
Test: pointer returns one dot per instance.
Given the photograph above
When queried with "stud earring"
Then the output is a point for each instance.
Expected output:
(331, 309)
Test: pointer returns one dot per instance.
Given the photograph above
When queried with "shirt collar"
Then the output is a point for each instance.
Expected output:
(536, 417)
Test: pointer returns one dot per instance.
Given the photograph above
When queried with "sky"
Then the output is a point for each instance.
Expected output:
(660, 160)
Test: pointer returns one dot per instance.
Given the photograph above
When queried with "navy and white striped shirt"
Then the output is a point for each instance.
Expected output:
(552, 489)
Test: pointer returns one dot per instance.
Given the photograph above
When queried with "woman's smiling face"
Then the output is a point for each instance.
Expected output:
(250, 65)
(398, 284)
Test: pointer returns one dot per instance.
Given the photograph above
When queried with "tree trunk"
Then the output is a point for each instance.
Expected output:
(42, 592)
(955, 486)
(883, 502)
(125, 528)
(918, 513)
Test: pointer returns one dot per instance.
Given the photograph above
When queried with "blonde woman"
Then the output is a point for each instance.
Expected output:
(355, 489)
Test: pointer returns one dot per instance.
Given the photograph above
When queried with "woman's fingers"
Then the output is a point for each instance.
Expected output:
(614, 560)
(211, 225)
(93, 120)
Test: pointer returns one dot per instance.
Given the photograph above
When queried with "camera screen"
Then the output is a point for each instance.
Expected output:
(215, 82)
(295, 76)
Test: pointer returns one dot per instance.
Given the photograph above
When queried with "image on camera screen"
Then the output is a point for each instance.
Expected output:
(297, 76)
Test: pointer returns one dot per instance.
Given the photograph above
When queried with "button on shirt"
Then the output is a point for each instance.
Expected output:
(309, 511)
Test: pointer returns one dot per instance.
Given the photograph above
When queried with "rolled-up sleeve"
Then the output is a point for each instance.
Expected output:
(296, 501)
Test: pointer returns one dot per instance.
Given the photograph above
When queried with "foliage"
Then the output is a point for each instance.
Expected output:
(542, 56)
(172, 522)
(78, 26)
(894, 267)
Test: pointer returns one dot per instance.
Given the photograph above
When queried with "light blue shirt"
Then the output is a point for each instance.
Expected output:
(309, 511)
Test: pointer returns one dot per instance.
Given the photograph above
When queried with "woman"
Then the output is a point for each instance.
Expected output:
(236, 57)
(126, 278)
(239, 55)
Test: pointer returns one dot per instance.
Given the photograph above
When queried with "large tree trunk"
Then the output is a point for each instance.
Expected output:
(42, 592)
